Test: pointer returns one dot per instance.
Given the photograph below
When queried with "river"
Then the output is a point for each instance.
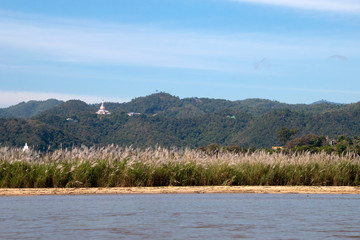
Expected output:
(181, 216)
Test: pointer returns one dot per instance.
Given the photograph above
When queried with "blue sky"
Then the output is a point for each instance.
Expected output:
(116, 50)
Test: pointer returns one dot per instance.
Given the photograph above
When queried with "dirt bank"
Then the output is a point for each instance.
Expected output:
(178, 190)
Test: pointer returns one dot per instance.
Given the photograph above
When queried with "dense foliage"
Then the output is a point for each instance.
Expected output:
(28, 109)
(316, 144)
(168, 121)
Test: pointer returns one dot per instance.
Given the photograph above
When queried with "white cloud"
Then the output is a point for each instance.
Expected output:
(55, 40)
(350, 6)
(116, 44)
(9, 98)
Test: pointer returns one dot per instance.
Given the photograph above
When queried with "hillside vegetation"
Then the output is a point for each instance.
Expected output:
(28, 109)
(166, 120)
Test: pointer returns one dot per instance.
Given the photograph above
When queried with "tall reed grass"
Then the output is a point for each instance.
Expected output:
(114, 166)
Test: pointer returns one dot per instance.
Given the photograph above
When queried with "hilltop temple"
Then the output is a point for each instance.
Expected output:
(102, 109)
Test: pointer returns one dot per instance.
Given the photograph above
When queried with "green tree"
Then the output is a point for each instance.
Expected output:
(284, 134)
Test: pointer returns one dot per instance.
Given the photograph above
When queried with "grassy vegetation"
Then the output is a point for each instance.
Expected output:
(125, 167)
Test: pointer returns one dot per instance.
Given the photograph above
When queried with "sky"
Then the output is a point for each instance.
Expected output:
(298, 51)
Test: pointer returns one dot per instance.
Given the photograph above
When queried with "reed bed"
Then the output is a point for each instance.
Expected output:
(114, 166)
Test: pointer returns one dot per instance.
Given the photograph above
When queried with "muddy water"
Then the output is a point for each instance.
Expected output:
(180, 216)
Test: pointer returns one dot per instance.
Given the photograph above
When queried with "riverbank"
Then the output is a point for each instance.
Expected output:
(182, 190)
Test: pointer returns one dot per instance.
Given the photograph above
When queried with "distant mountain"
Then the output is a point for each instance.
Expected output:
(164, 104)
(325, 101)
(28, 109)
(167, 120)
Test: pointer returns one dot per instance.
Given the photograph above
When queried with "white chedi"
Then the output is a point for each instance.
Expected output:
(25, 148)
(102, 109)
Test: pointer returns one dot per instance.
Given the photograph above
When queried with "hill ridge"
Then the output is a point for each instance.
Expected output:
(167, 120)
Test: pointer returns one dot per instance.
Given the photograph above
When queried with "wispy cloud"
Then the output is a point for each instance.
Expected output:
(9, 98)
(97, 42)
(349, 6)
(263, 63)
(57, 40)
(339, 57)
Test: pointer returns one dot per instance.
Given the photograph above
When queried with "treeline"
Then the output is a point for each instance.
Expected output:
(164, 104)
(315, 144)
(310, 143)
(168, 121)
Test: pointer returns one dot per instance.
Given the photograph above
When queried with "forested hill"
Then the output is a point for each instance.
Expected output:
(164, 104)
(28, 109)
(167, 105)
(167, 120)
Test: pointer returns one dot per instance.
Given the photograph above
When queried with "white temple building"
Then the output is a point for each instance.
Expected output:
(102, 109)
(25, 148)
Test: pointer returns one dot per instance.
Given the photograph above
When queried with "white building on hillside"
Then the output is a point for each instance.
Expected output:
(102, 109)
(26, 148)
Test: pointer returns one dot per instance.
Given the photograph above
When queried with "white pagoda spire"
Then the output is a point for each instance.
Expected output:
(102, 109)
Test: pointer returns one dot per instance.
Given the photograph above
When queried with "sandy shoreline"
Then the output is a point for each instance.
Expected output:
(180, 190)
